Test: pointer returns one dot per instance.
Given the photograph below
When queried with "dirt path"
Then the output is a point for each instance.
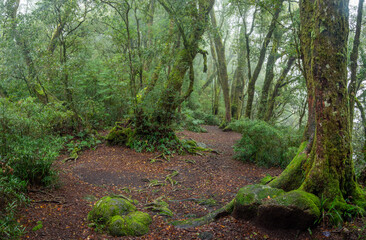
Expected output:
(119, 170)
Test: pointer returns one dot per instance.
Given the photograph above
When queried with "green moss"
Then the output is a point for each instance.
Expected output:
(221, 212)
(141, 217)
(250, 197)
(266, 179)
(118, 227)
(119, 135)
(161, 207)
(296, 209)
(38, 226)
(300, 199)
(107, 207)
(292, 177)
(130, 225)
(256, 193)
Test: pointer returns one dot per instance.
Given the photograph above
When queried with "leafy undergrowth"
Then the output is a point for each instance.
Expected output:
(190, 186)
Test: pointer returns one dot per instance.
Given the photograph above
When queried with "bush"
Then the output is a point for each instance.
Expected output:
(208, 119)
(264, 144)
(27, 151)
(11, 197)
(32, 159)
(192, 120)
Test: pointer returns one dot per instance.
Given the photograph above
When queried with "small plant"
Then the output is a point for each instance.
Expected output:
(82, 141)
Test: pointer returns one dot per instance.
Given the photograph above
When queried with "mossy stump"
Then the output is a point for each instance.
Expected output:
(119, 135)
(119, 217)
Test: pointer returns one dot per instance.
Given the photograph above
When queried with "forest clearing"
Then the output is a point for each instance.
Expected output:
(203, 184)
(182, 119)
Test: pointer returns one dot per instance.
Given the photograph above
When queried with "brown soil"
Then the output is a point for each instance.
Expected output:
(119, 170)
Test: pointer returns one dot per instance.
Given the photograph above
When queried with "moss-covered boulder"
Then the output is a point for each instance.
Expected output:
(250, 197)
(134, 224)
(119, 216)
(119, 135)
(108, 207)
(296, 209)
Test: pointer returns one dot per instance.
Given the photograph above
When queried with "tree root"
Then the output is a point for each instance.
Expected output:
(219, 213)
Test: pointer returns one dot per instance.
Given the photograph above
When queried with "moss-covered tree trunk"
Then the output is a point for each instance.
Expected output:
(171, 96)
(237, 91)
(216, 97)
(363, 118)
(221, 66)
(324, 166)
(276, 90)
(268, 79)
(352, 90)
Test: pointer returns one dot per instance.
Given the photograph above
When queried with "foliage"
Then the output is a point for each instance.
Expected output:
(264, 144)
(11, 197)
(26, 141)
(27, 151)
(85, 139)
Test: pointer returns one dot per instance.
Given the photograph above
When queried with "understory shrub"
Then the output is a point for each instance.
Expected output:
(192, 120)
(265, 145)
(11, 197)
(29, 144)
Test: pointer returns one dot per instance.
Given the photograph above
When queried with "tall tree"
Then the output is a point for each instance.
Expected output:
(324, 165)
(222, 66)
(267, 39)
(190, 34)
(352, 89)
(268, 79)
(237, 90)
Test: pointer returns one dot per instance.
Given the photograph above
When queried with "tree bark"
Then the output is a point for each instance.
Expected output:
(239, 80)
(327, 170)
(363, 119)
(276, 91)
(171, 96)
(222, 68)
(268, 79)
(352, 90)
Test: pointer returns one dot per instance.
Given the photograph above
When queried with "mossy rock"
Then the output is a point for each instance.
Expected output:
(296, 210)
(133, 224)
(119, 135)
(250, 197)
(108, 207)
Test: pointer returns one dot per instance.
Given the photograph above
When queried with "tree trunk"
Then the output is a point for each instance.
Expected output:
(352, 91)
(363, 118)
(268, 79)
(267, 39)
(171, 96)
(222, 68)
(239, 80)
(326, 170)
(276, 91)
(217, 91)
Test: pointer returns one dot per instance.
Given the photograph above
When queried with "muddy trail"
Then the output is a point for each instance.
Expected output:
(214, 177)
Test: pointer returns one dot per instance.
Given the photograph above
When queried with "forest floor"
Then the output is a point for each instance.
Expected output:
(119, 170)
